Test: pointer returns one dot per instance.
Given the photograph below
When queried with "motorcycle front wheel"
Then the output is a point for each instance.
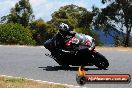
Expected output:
(100, 61)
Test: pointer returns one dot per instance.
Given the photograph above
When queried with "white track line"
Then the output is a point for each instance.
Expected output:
(123, 50)
(40, 81)
(23, 46)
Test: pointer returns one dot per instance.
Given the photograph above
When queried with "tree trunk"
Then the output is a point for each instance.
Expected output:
(127, 38)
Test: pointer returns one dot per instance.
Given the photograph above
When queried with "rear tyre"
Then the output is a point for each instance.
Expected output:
(100, 61)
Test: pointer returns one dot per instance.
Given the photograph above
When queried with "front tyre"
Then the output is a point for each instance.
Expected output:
(100, 61)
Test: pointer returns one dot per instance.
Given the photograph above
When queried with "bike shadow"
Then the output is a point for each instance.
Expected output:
(57, 68)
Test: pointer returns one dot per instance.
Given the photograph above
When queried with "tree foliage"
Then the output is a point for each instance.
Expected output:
(39, 31)
(11, 33)
(22, 13)
(117, 15)
(76, 17)
(73, 15)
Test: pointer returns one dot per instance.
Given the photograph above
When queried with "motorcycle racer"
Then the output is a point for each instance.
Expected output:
(66, 44)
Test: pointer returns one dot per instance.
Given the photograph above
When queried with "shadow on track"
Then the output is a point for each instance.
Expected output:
(57, 68)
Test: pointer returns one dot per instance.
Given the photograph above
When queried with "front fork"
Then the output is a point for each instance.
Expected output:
(81, 68)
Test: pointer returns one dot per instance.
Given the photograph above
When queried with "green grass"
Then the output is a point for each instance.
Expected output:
(14, 82)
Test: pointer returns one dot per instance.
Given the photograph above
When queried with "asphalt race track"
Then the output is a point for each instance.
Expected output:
(31, 62)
